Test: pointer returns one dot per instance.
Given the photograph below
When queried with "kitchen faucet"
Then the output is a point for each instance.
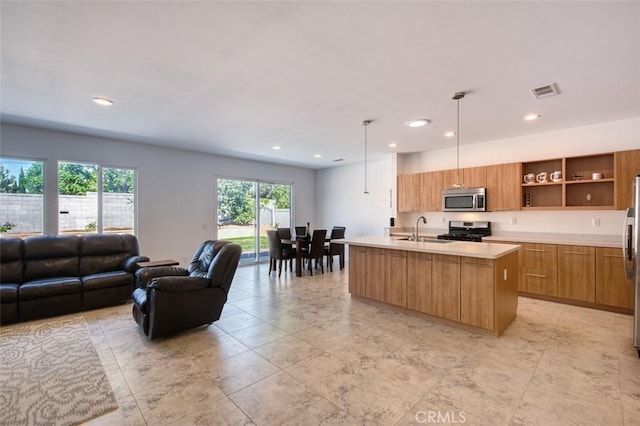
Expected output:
(417, 236)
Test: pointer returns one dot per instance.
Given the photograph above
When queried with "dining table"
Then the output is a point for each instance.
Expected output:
(300, 243)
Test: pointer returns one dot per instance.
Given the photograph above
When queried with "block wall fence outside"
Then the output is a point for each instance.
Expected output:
(25, 211)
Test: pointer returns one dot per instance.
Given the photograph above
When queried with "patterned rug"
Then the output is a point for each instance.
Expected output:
(51, 374)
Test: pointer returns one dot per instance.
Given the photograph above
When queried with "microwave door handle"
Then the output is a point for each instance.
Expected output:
(474, 204)
(627, 244)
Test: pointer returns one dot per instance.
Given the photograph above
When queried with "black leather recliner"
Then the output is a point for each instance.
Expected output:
(171, 299)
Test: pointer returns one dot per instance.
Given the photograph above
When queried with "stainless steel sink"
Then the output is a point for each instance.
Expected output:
(425, 240)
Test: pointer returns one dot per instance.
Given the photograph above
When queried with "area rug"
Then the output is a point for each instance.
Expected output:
(51, 374)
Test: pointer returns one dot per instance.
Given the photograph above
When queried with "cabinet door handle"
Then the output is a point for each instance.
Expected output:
(536, 250)
(480, 265)
(535, 275)
(445, 261)
(613, 255)
(576, 252)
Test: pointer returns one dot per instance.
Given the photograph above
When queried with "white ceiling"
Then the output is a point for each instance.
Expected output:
(236, 78)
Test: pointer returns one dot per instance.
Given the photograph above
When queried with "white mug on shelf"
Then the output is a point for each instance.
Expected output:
(529, 178)
(541, 177)
(596, 176)
(556, 176)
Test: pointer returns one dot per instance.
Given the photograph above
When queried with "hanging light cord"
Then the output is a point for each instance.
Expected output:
(365, 123)
(458, 143)
(457, 97)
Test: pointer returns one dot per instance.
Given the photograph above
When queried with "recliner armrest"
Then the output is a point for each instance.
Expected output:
(178, 284)
(131, 264)
(145, 275)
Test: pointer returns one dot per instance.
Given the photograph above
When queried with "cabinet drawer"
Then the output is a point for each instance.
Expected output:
(474, 261)
(539, 281)
(539, 256)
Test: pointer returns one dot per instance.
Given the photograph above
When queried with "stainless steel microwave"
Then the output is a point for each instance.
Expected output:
(464, 200)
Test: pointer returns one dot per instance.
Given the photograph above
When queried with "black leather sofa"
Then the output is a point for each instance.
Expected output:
(49, 275)
(169, 299)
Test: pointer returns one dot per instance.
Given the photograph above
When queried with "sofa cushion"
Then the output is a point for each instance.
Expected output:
(8, 292)
(106, 280)
(47, 256)
(49, 287)
(105, 252)
(11, 265)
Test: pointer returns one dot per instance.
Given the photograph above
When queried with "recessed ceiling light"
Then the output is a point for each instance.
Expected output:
(393, 145)
(317, 155)
(417, 123)
(276, 147)
(450, 134)
(103, 101)
(531, 117)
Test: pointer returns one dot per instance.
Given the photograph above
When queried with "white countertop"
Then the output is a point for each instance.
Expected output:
(452, 248)
(592, 240)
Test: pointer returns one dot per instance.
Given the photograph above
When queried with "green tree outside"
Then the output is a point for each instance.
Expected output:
(236, 199)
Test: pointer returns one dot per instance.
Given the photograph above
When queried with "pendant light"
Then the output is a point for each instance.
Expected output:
(457, 96)
(365, 123)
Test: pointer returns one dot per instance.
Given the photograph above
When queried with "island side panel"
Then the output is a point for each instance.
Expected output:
(506, 290)
(357, 270)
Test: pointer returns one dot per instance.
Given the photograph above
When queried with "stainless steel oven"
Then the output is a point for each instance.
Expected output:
(464, 200)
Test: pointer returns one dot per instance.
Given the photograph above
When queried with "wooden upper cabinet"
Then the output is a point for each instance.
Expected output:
(431, 184)
(408, 192)
(475, 177)
(503, 186)
(627, 166)
(506, 190)
(470, 177)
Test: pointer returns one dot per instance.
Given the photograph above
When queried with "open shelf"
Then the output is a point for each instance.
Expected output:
(542, 195)
(577, 189)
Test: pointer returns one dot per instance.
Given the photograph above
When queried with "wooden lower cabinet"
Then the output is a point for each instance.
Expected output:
(539, 269)
(577, 273)
(445, 286)
(357, 270)
(613, 288)
(419, 282)
(395, 279)
(375, 273)
(477, 292)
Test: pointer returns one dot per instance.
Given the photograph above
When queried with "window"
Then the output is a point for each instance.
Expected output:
(118, 200)
(21, 197)
(93, 198)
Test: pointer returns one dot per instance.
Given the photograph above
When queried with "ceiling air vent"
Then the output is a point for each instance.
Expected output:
(545, 91)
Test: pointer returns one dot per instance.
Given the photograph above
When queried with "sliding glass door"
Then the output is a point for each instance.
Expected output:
(247, 209)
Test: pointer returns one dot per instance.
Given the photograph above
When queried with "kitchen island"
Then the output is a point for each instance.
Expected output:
(470, 284)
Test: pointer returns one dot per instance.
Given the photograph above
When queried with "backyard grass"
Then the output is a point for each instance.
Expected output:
(247, 243)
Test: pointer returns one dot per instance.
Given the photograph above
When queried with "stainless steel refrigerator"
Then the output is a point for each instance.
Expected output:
(630, 245)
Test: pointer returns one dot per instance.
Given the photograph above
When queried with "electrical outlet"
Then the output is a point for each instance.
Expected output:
(595, 221)
(444, 219)
(514, 220)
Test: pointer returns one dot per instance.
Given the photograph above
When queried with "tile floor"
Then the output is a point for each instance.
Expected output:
(299, 351)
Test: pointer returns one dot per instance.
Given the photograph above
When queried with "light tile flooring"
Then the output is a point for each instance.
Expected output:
(299, 351)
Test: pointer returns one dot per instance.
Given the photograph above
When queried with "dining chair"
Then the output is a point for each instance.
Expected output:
(285, 234)
(301, 231)
(278, 253)
(316, 250)
(335, 249)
